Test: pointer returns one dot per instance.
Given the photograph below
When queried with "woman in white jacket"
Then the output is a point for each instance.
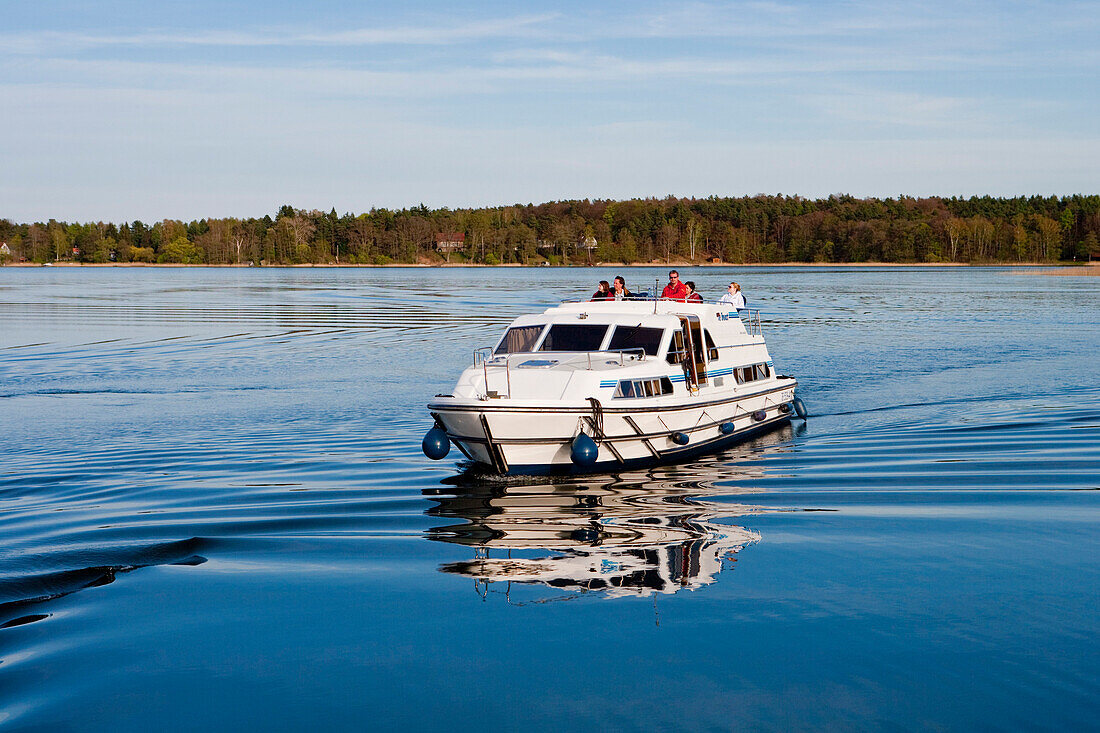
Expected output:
(733, 296)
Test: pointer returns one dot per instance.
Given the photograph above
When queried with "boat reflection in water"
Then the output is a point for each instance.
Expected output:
(634, 534)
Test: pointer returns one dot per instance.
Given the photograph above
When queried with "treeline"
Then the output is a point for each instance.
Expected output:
(738, 230)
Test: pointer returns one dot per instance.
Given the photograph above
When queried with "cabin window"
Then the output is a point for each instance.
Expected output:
(519, 339)
(644, 387)
(751, 373)
(712, 350)
(636, 337)
(574, 337)
(676, 350)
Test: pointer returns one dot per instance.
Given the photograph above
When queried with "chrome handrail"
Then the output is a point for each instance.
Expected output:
(620, 352)
(507, 370)
(753, 321)
(484, 357)
(641, 355)
(631, 299)
(482, 354)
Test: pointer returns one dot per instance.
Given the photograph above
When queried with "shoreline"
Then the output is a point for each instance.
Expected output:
(1089, 270)
(1049, 268)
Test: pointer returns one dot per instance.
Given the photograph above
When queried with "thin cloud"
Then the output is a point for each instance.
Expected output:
(895, 30)
(900, 110)
(763, 22)
(861, 95)
(438, 35)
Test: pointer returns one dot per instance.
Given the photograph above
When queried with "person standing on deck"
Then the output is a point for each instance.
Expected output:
(675, 289)
(734, 296)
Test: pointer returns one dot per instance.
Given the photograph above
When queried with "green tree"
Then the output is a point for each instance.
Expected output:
(180, 250)
(1087, 247)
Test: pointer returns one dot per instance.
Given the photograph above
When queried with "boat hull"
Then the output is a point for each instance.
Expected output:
(536, 439)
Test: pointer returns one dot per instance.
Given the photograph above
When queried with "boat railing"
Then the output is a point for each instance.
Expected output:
(637, 351)
(634, 298)
(482, 357)
(483, 353)
(751, 316)
(486, 359)
(751, 319)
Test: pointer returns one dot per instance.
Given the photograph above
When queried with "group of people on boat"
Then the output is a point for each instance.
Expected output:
(674, 290)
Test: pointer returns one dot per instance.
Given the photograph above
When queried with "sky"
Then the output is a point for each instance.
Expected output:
(124, 109)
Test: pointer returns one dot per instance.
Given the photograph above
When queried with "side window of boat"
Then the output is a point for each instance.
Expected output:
(712, 350)
(635, 338)
(644, 387)
(751, 373)
(518, 339)
(676, 348)
(573, 337)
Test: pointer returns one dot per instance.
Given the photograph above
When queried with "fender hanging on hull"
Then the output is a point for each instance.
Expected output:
(677, 455)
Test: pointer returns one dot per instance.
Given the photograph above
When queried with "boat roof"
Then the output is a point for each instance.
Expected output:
(653, 313)
(640, 307)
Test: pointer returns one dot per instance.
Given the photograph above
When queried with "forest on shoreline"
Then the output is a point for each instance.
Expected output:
(747, 230)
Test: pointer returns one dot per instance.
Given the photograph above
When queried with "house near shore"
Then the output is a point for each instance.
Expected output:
(447, 242)
(5, 251)
(588, 243)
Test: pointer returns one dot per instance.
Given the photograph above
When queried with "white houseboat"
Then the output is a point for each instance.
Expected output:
(598, 387)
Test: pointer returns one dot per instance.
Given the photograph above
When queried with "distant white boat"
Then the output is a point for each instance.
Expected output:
(597, 387)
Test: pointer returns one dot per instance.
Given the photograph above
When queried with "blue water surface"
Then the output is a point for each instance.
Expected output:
(214, 513)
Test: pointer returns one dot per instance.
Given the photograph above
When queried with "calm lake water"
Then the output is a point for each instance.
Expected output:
(214, 513)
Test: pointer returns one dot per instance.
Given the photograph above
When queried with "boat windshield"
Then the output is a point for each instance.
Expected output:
(574, 337)
(636, 337)
(519, 339)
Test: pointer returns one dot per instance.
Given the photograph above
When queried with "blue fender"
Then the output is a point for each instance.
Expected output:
(680, 438)
(800, 407)
(584, 451)
(436, 444)
(727, 428)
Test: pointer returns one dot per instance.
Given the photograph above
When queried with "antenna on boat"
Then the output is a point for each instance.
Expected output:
(656, 284)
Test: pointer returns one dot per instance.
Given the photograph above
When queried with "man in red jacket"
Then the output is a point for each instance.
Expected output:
(675, 289)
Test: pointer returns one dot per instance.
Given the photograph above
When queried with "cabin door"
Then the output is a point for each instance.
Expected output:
(694, 361)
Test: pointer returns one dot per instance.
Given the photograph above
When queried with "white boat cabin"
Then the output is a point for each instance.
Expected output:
(620, 350)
